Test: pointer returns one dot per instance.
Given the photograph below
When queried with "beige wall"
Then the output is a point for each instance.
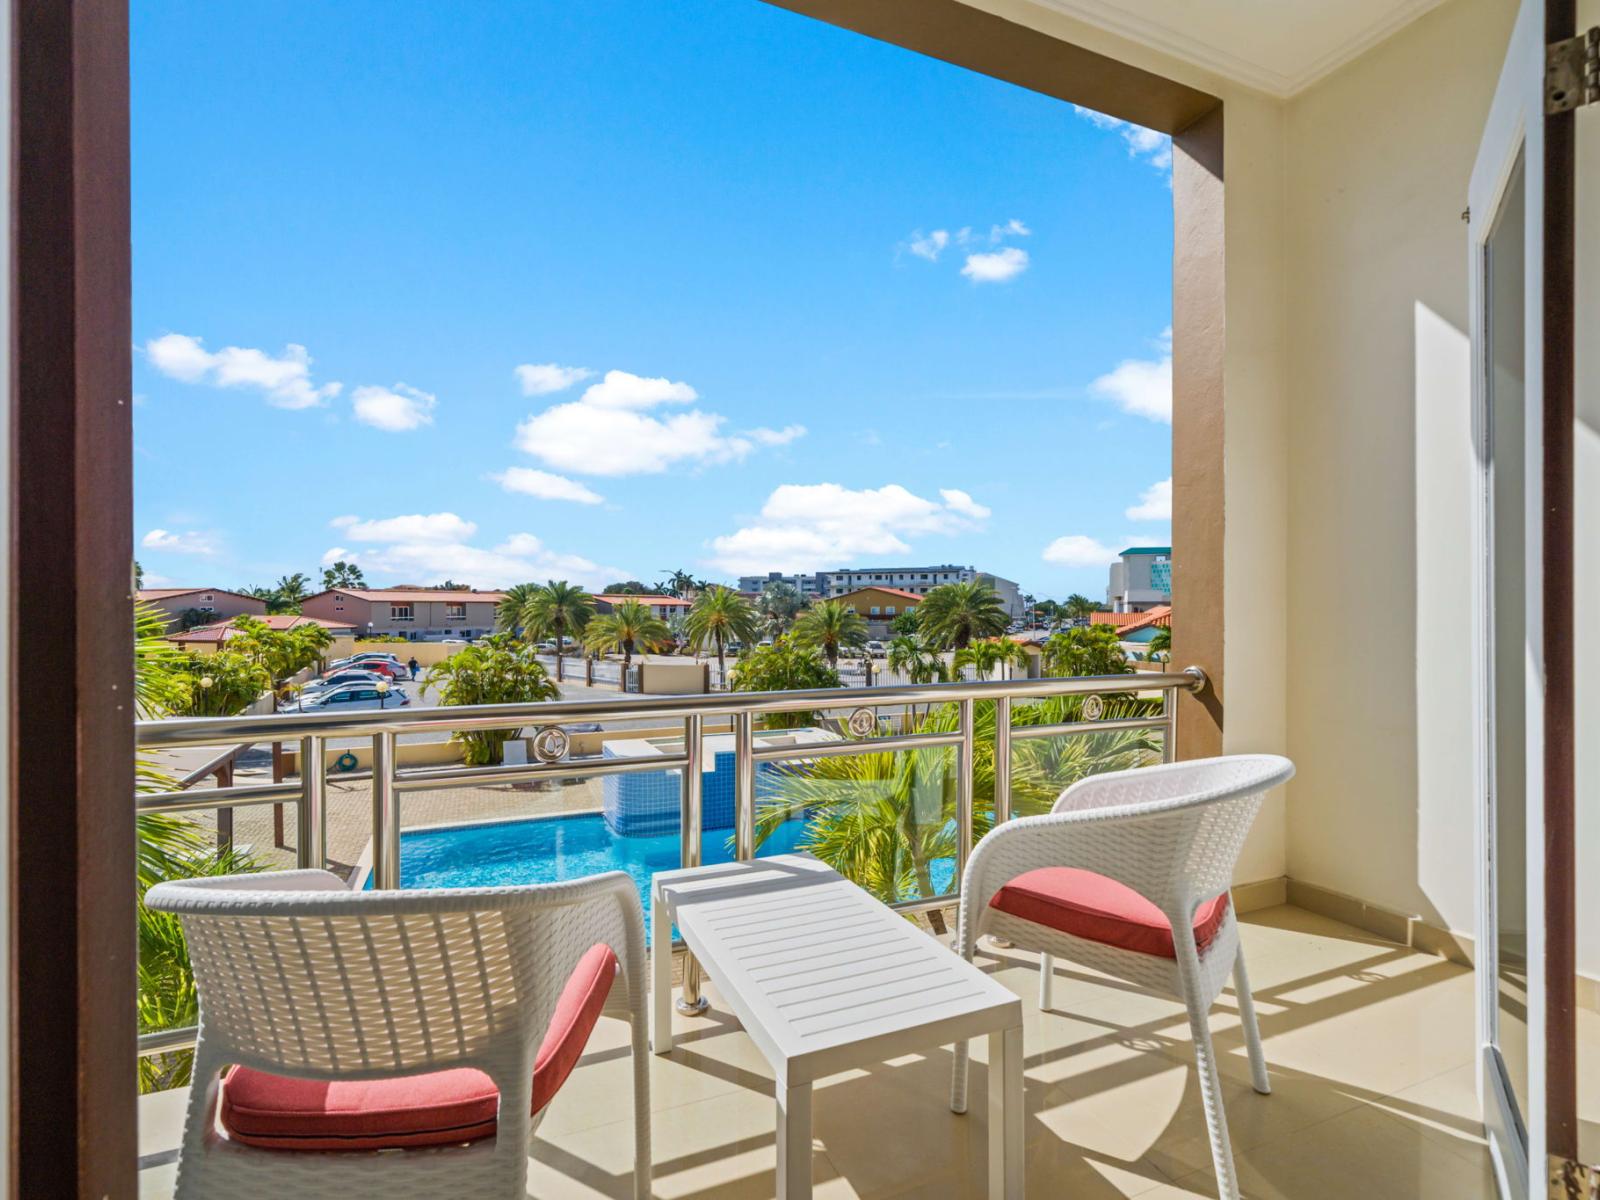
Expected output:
(1382, 467)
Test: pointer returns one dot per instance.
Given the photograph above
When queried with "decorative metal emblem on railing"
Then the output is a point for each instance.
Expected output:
(862, 722)
(1093, 708)
(551, 744)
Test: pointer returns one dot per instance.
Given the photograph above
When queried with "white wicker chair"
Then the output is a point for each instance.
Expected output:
(300, 977)
(1170, 833)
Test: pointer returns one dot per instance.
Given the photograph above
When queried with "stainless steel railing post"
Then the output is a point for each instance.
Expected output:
(691, 818)
(964, 772)
(744, 786)
(1169, 736)
(311, 837)
(1002, 760)
(385, 814)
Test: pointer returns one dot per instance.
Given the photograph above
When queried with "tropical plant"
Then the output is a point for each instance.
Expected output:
(983, 657)
(282, 653)
(500, 669)
(917, 661)
(783, 666)
(193, 618)
(343, 575)
(508, 613)
(719, 616)
(779, 603)
(953, 614)
(629, 626)
(888, 820)
(138, 574)
(1086, 650)
(290, 590)
(906, 624)
(219, 685)
(630, 587)
(1078, 606)
(1162, 642)
(682, 584)
(556, 609)
(830, 626)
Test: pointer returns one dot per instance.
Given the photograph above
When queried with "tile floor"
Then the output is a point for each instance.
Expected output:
(1370, 1046)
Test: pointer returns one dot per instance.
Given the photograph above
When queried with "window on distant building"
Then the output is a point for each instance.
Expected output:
(207, 598)
(455, 612)
(889, 611)
(873, 610)
(400, 612)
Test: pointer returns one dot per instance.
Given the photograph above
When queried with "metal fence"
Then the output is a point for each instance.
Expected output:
(549, 749)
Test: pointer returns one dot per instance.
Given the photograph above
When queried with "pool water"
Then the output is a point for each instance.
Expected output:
(547, 849)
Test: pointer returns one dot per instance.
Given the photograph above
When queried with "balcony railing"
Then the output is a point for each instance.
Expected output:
(865, 735)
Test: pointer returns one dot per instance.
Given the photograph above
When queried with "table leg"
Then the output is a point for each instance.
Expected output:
(1006, 1115)
(660, 975)
(794, 1141)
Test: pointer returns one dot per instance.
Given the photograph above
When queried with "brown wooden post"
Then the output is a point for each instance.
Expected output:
(278, 776)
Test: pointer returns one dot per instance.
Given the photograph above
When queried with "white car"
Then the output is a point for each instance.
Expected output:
(877, 650)
(352, 697)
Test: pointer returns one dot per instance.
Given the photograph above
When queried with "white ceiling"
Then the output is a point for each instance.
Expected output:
(1275, 46)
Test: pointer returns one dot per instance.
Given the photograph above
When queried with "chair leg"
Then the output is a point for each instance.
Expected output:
(1252, 1031)
(1205, 1061)
(958, 1080)
(1047, 978)
(641, 1105)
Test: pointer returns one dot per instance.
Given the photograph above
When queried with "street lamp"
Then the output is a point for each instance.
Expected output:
(383, 693)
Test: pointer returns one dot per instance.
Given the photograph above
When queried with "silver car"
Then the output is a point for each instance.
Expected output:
(353, 697)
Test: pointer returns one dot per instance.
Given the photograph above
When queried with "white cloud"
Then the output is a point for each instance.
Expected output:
(1140, 386)
(539, 379)
(604, 432)
(545, 486)
(811, 526)
(418, 527)
(284, 380)
(929, 246)
(1079, 550)
(1155, 148)
(960, 502)
(1012, 228)
(622, 389)
(1155, 503)
(444, 551)
(996, 267)
(179, 541)
(334, 554)
(777, 437)
(397, 409)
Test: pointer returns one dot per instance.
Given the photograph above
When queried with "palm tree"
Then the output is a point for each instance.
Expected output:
(558, 609)
(343, 575)
(628, 626)
(719, 616)
(829, 626)
(1162, 642)
(953, 614)
(1079, 606)
(508, 613)
(778, 604)
(683, 585)
(290, 590)
(1086, 650)
(983, 657)
(917, 661)
(501, 670)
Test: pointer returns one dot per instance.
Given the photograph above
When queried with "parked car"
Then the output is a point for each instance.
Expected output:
(877, 650)
(346, 675)
(373, 666)
(353, 697)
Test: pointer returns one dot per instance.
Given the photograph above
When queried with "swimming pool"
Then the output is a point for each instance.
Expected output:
(546, 849)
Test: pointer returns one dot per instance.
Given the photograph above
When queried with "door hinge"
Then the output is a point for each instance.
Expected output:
(1571, 1180)
(1572, 73)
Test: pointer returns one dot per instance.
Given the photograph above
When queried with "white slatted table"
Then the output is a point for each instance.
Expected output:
(825, 978)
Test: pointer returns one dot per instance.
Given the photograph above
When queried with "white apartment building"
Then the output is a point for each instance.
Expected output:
(918, 580)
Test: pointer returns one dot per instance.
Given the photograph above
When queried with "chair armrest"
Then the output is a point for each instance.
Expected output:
(179, 894)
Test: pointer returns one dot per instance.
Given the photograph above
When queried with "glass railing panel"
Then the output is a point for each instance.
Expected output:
(1042, 767)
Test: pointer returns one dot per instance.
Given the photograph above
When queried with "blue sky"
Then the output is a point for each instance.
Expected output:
(519, 290)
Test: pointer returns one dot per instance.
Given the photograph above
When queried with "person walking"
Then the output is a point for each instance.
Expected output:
(413, 664)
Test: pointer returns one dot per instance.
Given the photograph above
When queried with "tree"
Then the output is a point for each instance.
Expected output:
(343, 575)
(138, 575)
(508, 613)
(917, 661)
(783, 666)
(282, 653)
(778, 604)
(192, 618)
(627, 627)
(953, 614)
(1078, 606)
(720, 616)
(906, 624)
(830, 626)
(499, 670)
(1162, 642)
(559, 610)
(1086, 650)
(449, 585)
(682, 584)
(983, 657)
(223, 684)
(631, 587)
(290, 590)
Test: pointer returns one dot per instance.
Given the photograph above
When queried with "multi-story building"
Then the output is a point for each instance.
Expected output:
(665, 607)
(810, 587)
(879, 606)
(410, 614)
(919, 581)
(217, 603)
(1141, 578)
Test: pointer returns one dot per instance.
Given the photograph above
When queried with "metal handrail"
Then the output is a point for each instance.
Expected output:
(389, 782)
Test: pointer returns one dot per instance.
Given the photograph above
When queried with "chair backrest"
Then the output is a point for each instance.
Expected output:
(298, 974)
(1171, 832)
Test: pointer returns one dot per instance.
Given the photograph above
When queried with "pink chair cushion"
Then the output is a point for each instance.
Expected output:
(1102, 910)
(440, 1108)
